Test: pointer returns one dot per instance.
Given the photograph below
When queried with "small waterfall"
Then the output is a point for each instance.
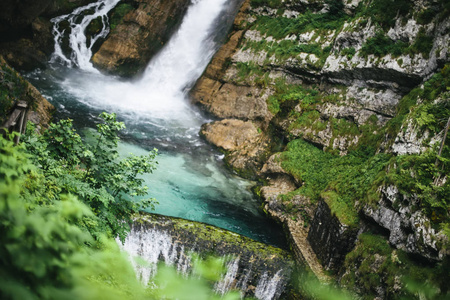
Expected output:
(228, 281)
(269, 287)
(148, 247)
(160, 242)
(77, 23)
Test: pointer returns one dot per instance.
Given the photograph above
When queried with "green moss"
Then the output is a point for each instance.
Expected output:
(202, 232)
(381, 45)
(268, 3)
(426, 16)
(386, 12)
(12, 88)
(341, 180)
(341, 208)
(118, 13)
(348, 52)
(422, 44)
(281, 27)
(373, 264)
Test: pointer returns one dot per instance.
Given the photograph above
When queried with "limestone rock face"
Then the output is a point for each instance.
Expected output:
(226, 100)
(246, 147)
(330, 239)
(367, 85)
(140, 34)
(408, 230)
(360, 89)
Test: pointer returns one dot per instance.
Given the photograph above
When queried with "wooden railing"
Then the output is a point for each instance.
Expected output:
(17, 120)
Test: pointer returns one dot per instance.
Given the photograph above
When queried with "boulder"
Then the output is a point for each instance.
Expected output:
(140, 35)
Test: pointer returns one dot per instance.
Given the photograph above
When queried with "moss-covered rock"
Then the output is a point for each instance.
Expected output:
(14, 88)
(253, 260)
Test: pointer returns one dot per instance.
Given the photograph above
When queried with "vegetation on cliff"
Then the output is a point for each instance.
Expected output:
(358, 90)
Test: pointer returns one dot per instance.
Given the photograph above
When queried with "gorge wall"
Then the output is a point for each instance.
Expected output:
(344, 104)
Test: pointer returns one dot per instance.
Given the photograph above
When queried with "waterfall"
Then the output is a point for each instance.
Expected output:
(153, 246)
(227, 281)
(148, 245)
(269, 287)
(80, 46)
(161, 92)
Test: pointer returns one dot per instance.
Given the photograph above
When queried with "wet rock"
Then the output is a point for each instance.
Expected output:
(140, 34)
(41, 110)
(29, 53)
(254, 264)
(26, 32)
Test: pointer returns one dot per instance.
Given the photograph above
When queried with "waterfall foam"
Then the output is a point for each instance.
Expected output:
(160, 94)
(81, 47)
(192, 181)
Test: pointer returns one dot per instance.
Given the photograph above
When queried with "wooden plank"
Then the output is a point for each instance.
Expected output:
(12, 119)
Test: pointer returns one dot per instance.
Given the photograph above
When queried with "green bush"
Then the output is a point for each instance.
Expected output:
(90, 171)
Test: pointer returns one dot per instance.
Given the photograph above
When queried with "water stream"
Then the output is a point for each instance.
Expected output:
(191, 181)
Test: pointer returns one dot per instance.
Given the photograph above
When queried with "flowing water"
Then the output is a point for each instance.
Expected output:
(191, 181)
(156, 244)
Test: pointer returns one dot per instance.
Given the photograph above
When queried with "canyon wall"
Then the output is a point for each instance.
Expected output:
(340, 108)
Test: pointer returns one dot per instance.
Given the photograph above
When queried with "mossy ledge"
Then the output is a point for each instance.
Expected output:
(208, 239)
(255, 261)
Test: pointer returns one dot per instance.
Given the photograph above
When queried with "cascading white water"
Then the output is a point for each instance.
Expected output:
(269, 287)
(152, 246)
(148, 246)
(160, 93)
(81, 47)
(227, 282)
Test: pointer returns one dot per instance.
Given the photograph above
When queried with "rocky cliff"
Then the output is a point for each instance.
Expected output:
(26, 39)
(356, 94)
(138, 29)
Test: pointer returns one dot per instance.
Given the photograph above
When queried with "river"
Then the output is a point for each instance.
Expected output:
(191, 180)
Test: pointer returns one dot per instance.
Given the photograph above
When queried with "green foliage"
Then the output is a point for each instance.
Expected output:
(118, 13)
(348, 52)
(281, 27)
(12, 89)
(385, 12)
(340, 180)
(43, 253)
(426, 16)
(197, 286)
(422, 44)
(269, 3)
(92, 171)
(373, 264)
(381, 45)
(46, 251)
(415, 174)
